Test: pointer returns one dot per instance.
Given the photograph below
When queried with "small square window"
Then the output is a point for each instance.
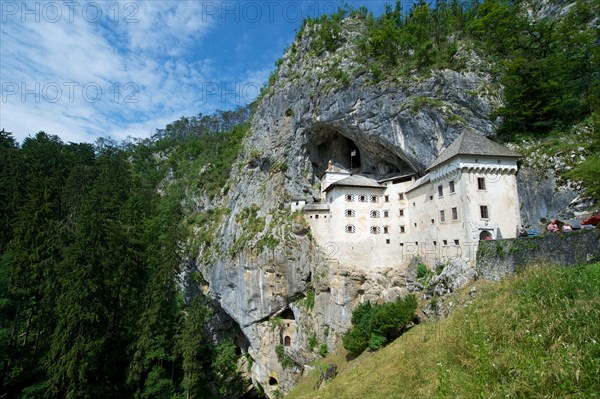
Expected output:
(445, 242)
(374, 198)
(456, 242)
(402, 229)
(400, 196)
(349, 212)
(451, 187)
(387, 240)
(435, 243)
(401, 212)
(481, 183)
(431, 198)
(415, 224)
(316, 216)
(432, 221)
(386, 214)
(386, 230)
(386, 198)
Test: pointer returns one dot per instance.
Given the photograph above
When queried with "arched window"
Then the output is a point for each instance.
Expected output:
(349, 213)
(350, 228)
(287, 341)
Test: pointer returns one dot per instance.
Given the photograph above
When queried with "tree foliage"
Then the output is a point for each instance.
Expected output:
(375, 325)
(91, 256)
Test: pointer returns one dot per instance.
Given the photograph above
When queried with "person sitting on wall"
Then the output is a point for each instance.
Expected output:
(531, 232)
(552, 227)
(567, 227)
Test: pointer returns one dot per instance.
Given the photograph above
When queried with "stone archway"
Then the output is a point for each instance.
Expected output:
(485, 235)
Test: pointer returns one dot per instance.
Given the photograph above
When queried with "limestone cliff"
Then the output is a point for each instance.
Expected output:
(268, 275)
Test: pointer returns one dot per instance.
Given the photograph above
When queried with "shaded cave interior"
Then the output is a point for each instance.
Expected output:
(360, 157)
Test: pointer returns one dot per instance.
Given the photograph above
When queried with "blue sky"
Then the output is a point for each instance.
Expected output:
(89, 69)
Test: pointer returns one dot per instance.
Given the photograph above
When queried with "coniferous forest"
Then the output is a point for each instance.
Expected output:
(94, 237)
(92, 243)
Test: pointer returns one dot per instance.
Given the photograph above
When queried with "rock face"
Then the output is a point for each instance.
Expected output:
(284, 291)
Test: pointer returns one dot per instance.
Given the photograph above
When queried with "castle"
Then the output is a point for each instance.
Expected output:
(469, 193)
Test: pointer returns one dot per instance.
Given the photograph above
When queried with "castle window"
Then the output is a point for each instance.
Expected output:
(400, 196)
(350, 228)
(415, 224)
(375, 198)
(386, 198)
(287, 341)
(386, 230)
(400, 212)
(349, 213)
(440, 191)
(442, 216)
(316, 216)
(431, 198)
(435, 243)
(402, 229)
(386, 214)
(375, 230)
(363, 198)
(484, 212)
(445, 242)
(349, 198)
(414, 204)
(432, 221)
(454, 214)
(387, 240)
(481, 183)
(375, 214)
(456, 242)
(451, 187)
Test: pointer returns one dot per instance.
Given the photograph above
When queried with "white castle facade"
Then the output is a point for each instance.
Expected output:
(468, 194)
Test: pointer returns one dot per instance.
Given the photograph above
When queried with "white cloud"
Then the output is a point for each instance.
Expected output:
(51, 72)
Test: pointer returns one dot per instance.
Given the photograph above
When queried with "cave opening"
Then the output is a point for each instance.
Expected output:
(354, 153)
(288, 314)
(273, 381)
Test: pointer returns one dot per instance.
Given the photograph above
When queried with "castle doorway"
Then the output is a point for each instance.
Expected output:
(287, 341)
(485, 235)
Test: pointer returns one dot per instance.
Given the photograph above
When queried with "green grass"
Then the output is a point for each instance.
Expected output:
(534, 335)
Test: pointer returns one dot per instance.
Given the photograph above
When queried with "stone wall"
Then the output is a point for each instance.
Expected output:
(499, 258)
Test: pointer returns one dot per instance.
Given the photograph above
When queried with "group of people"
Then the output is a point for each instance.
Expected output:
(554, 227)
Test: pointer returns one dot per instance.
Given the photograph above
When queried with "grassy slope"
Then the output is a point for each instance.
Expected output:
(536, 335)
